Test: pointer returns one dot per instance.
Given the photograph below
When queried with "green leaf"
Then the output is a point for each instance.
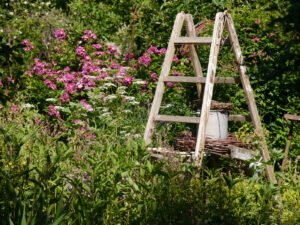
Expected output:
(59, 219)
(23, 222)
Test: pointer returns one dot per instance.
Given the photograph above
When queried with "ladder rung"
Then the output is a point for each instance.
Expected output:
(237, 118)
(291, 117)
(182, 119)
(193, 40)
(185, 79)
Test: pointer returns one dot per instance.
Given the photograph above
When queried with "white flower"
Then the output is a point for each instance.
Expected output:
(51, 100)
(134, 103)
(104, 109)
(109, 85)
(129, 98)
(127, 111)
(27, 105)
(105, 114)
(58, 107)
(140, 82)
(110, 97)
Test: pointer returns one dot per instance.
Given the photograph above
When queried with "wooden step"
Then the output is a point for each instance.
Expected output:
(182, 119)
(238, 118)
(196, 120)
(186, 79)
(292, 117)
(193, 40)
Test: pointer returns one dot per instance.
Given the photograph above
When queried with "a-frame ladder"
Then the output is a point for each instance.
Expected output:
(222, 21)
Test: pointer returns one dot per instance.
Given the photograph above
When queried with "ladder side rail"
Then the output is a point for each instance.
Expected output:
(208, 91)
(191, 32)
(249, 95)
(164, 72)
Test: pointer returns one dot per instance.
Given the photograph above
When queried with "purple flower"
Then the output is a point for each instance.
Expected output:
(89, 68)
(1, 84)
(144, 60)
(88, 34)
(50, 84)
(87, 58)
(97, 46)
(65, 97)
(153, 76)
(39, 68)
(175, 59)
(170, 84)
(53, 112)
(128, 81)
(10, 80)
(113, 49)
(86, 105)
(92, 137)
(14, 108)
(85, 83)
(99, 53)
(60, 34)
(122, 71)
(67, 69)
(152, 50)
(162, 51)
(115, 65)
(77, 121)
(129, 56)
(80, 51)
(70, 88)
(67, 78)
(28, 46)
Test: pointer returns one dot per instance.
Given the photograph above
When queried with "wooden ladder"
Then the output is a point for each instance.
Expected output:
(223, 21)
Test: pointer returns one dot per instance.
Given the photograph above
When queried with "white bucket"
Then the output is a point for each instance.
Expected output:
(217, 126)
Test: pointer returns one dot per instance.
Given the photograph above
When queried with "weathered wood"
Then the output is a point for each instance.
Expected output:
(208, 91)
(237, 118)
(191, 32)
(181, 119)
(286, 150)
(221, 106)
(186, 79)
(249, 95)
(292, 117)
(164, 72)
(193, 40)
(240, 153)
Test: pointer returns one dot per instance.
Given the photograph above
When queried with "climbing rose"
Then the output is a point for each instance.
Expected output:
(60, 34)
